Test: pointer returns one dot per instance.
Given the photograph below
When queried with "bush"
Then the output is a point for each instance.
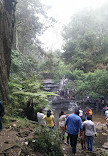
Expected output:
(48, 142)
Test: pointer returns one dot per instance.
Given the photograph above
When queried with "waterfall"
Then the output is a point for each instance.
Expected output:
(63, 82)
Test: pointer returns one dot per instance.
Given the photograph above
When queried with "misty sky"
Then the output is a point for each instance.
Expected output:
(62, 10)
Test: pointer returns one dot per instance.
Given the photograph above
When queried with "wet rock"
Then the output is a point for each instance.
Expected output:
(14, 125)
(100, 126)
(105, 145)
(104, 134)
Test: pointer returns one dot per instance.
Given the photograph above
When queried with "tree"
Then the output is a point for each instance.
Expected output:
(86, 40)
(7, 21)
(31, 22)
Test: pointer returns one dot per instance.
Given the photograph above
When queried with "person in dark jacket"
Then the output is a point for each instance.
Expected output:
(1, 113)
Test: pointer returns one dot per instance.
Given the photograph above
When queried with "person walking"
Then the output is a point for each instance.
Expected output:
(87, 109)
(106, 113)
(90, 113)
(81, 113)
(82, 137)
(89, 132)
(73, 123)
(49, 118)
(62, 119)
(40, 117)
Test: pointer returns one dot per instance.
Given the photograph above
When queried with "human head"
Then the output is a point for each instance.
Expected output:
(87, 109)
(88, 118)
(48, 113)
(83, 119)
(61, 113)
(41, 110)
(77, 111)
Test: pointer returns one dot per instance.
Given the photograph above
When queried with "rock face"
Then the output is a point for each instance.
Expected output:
(49, 85)
(100, 126)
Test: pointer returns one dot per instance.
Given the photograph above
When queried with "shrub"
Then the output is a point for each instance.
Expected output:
(48, 142)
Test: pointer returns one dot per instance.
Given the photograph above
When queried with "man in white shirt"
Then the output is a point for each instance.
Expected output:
(89, 132)
(81, 113)
(106, 113)
(40, 117)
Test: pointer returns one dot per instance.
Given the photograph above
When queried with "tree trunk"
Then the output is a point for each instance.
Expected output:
(7, 20)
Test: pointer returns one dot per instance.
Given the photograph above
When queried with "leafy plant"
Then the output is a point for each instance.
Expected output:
(27, 97)
(48, 142)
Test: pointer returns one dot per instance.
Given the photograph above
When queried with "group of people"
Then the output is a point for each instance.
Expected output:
(71, 124)
(47, 119)
(87, 112)
(68, 94)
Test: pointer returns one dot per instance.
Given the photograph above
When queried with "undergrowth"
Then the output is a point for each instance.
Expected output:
(48, 142)
(20, 122)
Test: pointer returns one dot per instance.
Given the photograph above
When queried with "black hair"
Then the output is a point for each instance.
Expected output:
(83, 119)
(61, 113)
(48, 113)
(41, 110)
(77, 111)
(88, 118)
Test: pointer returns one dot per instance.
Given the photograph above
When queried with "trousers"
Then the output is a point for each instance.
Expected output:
(89, 141)
(73, 142)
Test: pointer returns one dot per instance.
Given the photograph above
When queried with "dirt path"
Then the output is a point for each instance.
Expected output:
(13, 142)
(68, 151)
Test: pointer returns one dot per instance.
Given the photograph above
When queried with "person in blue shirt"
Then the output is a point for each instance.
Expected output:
(74, 124)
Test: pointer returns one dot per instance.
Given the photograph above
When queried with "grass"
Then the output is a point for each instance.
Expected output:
(18, 121)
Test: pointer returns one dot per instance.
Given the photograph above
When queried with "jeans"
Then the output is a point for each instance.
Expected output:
(89, 141)
(73, 142)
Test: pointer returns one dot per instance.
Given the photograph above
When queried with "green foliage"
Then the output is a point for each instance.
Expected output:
(31, 22)
(86, 52)
(91, 83)
(23, 65)
(53, 67)
(48, 142)
(86, 41)
(22, 91)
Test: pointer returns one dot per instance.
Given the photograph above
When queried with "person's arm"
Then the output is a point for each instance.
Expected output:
(80, 125)
(66, 124)
(54, 121)
(94, 129)
(44, 117)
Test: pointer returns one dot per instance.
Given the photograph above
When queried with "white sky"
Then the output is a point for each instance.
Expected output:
(62, 10)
